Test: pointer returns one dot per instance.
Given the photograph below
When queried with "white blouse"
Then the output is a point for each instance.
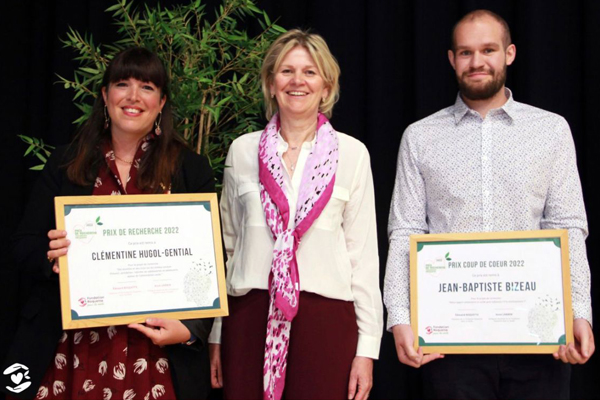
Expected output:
(337, 257)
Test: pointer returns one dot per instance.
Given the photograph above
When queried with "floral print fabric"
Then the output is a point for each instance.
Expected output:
(112, 362)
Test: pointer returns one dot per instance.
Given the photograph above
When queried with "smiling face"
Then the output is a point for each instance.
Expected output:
(133, 106)
(298, 85)
(480, 59)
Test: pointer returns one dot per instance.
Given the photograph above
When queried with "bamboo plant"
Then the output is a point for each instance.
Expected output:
(212, 61)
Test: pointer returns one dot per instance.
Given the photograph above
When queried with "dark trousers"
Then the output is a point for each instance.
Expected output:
(482, 377)
(323, 343)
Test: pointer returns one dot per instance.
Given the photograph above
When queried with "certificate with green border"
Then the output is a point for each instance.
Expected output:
(139, 256)
(492, 292)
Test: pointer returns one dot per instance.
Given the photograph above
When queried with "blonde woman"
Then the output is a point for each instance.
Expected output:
(299, 228)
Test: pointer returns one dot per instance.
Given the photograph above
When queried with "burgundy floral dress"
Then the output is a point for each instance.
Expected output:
(112, 362)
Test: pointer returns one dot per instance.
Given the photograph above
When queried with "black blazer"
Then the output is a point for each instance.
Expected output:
(40, 324)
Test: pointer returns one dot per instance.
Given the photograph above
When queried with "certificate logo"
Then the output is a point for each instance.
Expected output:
(19, 376)
(439, 263)
(437, 330)
(90, 301)
(86, 232)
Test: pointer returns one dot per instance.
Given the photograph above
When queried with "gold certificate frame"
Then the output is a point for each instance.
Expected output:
(139, 256)
(491, 292)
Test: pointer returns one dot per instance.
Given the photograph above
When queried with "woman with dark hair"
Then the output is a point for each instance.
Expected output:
(127, 146)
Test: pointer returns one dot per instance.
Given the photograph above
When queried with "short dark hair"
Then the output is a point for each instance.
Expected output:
(506, 40)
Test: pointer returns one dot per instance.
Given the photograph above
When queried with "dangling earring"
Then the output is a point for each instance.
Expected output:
(157, 129)
(106, 118)
(272, 96)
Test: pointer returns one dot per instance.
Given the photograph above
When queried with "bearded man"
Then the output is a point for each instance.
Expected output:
(487, 163)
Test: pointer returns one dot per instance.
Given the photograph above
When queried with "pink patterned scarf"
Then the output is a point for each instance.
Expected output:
(316, 187)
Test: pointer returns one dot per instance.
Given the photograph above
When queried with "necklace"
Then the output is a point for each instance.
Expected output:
(292, 164)
(290, 147)
(294, 148)
(125, 161)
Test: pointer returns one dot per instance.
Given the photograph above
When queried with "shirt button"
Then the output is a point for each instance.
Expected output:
(486, 192)
(484, 158)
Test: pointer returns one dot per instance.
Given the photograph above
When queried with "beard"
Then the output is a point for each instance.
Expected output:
(482, 91)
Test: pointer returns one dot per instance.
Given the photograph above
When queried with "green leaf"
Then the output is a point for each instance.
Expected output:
(267, 20)
(26, 139)
(278, 28)
(113, 8)
(224, 100)
(29, 149)
(41, 157)
(252, 7)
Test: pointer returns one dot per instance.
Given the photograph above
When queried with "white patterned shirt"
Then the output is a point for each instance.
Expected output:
(514, 170)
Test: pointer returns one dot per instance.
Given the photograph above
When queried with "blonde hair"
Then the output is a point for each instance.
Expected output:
(318, 50)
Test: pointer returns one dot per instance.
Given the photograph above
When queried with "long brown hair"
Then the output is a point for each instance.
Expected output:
(161, 160)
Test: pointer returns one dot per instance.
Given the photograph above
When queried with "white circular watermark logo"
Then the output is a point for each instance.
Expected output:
(19, 375)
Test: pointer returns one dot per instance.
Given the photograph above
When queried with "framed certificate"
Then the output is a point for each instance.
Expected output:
(132, 257)
(494, 292)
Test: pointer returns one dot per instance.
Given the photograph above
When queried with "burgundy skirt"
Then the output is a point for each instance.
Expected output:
(323, 344)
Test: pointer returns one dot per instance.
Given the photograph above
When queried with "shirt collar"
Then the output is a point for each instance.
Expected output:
(461, 109)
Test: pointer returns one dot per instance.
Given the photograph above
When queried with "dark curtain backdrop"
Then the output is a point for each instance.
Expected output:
(394, 71)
